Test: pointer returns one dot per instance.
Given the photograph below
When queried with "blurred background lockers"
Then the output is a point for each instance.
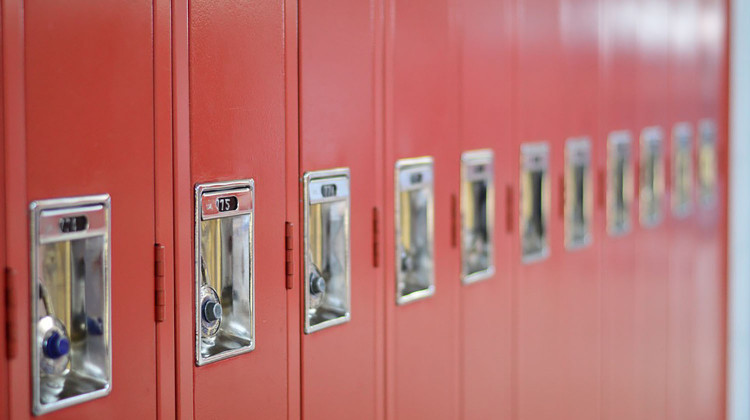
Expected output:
(143, 100)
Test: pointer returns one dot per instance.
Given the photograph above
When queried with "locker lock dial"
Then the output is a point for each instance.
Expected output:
(407, 262)
(211, 311)
(56, 346)
(210, 305)
(317, 282)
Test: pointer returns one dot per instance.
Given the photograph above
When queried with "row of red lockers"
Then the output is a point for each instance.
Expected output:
(144, 100)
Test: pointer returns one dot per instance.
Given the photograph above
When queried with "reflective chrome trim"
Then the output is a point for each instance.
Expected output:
(578, 156)
(314, 184)
(652, 183)
(414, 174)
(620, 184)
(246, 208)
(94, 205)
(477, 166)
(534, 159)
(682, 170)
(708, 164)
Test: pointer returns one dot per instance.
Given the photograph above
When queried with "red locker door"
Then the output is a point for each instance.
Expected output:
(342, 369)
(486, 348)
(651, 236)
(237, 123)
(683, 112)
(542, 320)
(617, 252)
(89, 130)
(579, 288)
(421, 82)
(709, 262)
(3, 331)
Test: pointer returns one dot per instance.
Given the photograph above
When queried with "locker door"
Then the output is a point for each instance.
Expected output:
(342, 348)
(3, 234)
(89, 130)
(541, 320)
(651, 236)
(237, 123)
(421, 106)
(617, 251)
(577, 212)
(486, 348)
(683, 297)
(709, 264)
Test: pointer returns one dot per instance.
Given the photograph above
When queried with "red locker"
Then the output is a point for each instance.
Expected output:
(579, 283)
(421, 108)
(485, 68)
(15, 257)
(237, 132)
(341, 360)
(651, 262)
(88, 102)
(683, 113)
(542, 354)
(709, 264)
(617, 250)
(4, 356)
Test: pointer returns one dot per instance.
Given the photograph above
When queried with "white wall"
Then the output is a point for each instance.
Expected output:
(739, 214)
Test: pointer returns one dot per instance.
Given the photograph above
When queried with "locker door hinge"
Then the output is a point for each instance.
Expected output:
(602, 189)
(454, 221)
(289, 255)
(561, 198)
(375, 237)
(160, 300)
(509, 202)
(11, 341)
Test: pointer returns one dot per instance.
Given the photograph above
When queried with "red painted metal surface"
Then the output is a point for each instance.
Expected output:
(293, 189)
(651, 262)
(555, 297)
(16, 256)
(683, 296)
(486, 306)
(237, 131)
(710, 251)
(616, 268)
(184, 215)
(340, 364)
(576, 280)
(5, 286)
(88, 105)
(421, 94)
(144, 99)
(164, 204)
